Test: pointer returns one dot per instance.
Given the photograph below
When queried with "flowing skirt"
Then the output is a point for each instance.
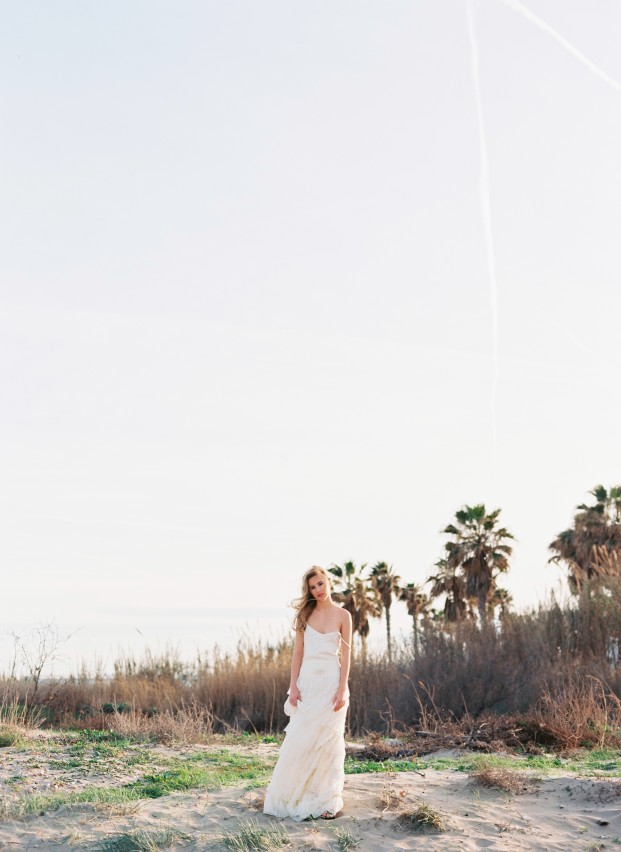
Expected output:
(309, 775)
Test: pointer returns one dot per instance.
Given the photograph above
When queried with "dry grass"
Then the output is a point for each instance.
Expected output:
(421, 818)
(18, 714)
(545, 678)
(190, 724)
(488, 734)
(378, 748)
(10, 736)
(507, 780)
(17, 721)
(581, 711)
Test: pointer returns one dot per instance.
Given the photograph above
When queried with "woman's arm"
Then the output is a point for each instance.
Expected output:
(296, 662)
(339, 698)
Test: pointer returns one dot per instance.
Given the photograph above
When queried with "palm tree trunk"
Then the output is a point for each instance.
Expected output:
(388, 634)
(415, 622)
(483, 599)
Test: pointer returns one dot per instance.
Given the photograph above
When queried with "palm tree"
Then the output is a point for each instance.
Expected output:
(501, 598)
(479, 551)
(345, 574)
(368, 606)
(386, 584)
(357, 598)
(607, 562)
(448, 582)
(417, 604)
(591, 548)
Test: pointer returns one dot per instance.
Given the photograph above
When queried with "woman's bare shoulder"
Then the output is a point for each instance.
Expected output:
(345, 617)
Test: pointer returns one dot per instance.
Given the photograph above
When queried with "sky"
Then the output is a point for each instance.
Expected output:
(251, 316)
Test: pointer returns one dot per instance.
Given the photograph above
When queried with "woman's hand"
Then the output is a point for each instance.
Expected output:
(294, 696)
(339, 699)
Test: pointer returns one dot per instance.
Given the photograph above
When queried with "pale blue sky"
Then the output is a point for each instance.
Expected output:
(246, 321)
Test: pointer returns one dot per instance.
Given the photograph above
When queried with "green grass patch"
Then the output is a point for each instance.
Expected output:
(171, 781)
(89, 760)
(253, 837)
(248, 738)
(210, 770)
(89, 735)
(596, 763)
(199, 771)
(40, 803)
(143, 840)
(91, 750)
(356, 767)
(103, 743)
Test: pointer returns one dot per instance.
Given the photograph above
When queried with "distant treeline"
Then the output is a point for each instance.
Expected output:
(476, 553)
(460, 669)
(474, 656)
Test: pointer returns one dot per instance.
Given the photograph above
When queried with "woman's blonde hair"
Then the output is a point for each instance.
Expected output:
(306, 603)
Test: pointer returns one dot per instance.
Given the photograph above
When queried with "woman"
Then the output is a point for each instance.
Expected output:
(309, 776)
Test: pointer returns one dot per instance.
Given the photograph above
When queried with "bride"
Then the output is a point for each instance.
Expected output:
(308, 778)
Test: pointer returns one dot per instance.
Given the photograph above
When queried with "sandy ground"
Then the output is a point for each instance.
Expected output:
(564, 812)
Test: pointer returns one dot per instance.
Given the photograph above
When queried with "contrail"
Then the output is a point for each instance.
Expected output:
(518, 7)
(486, 210)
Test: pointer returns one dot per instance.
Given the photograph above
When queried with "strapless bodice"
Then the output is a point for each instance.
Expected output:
(321, 650)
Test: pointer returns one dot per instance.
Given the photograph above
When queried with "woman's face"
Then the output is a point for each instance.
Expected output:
(319, 587)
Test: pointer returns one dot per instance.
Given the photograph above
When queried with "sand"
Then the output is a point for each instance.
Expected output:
(562, 812)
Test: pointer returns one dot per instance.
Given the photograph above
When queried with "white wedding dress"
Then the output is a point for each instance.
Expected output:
(309, 776)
